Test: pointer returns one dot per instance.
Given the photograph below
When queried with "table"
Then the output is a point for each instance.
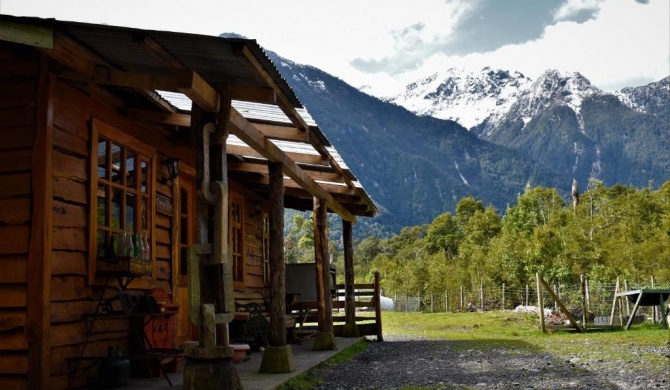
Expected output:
(647, 297)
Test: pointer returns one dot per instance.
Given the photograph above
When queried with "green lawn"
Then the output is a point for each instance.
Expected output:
(508, 328)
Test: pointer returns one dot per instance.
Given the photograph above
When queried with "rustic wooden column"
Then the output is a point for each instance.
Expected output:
(38, 324)
(325, 337)
(278, 358)
(350, 329)
(277, 266)
(209, 365)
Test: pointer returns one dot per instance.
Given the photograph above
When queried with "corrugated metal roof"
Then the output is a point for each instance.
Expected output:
(218, 60)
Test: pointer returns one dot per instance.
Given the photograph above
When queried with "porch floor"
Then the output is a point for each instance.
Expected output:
(304, 357)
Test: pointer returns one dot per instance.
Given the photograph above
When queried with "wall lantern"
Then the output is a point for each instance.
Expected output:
(172, 164)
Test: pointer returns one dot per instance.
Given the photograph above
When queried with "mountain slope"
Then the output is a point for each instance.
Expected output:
(414, 167)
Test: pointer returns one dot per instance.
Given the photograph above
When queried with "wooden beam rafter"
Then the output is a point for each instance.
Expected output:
(296, 157)
(294, 116)
(254, 138)
(160, 117)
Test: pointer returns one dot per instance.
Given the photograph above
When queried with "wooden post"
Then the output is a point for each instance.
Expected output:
(564, 309)
(625, 283)
(582, 288)
(540, 302)
(614, 300)
(38, 316)
(378, 308)
(277, 266)
(462, 298)
(325, 339)
(350, 328)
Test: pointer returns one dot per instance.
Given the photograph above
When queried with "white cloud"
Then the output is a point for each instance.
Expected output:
(572, 8)
(621, 41)
(627, 43)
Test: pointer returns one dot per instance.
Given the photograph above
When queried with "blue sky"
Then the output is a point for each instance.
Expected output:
(387, 43)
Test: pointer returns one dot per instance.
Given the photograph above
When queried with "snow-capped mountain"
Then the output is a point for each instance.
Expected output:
(651, 98)
(551, 88)
(467, 98)
(559, 119)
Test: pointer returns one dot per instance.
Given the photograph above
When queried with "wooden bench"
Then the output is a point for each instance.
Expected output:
(252, 311)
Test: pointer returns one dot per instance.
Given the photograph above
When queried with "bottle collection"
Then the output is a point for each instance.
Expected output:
(130, 245)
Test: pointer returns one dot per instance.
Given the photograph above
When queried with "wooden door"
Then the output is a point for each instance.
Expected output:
(186, 237)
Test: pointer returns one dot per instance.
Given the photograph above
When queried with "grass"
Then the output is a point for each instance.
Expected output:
(500, 328)
(507, 329)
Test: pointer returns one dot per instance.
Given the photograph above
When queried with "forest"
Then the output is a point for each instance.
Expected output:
(612, 232)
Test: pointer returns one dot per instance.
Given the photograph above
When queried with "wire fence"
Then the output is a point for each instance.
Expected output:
(593, 302)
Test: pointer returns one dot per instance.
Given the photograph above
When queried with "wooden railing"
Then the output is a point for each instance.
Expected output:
(367, 315)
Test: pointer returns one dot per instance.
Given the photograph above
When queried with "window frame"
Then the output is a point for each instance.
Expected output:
(238, 259)
(100, 129)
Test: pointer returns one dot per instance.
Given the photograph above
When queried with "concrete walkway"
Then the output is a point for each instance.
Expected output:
(305, 359)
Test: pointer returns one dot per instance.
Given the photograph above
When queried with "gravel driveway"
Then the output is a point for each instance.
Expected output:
(439, 364)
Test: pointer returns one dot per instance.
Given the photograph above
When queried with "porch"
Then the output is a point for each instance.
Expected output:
(305, 359)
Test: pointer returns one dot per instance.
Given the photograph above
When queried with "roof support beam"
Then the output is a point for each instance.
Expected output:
(293, 115)
(163, 118)
(297, 157)
(254, 138)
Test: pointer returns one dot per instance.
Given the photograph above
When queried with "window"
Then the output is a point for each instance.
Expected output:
(121, 189)
(236, 235)
(186, 226)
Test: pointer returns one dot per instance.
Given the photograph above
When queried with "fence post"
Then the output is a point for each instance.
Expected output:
(378, 308)
(527, 294)
(588, 294)
(481, 295)
(582, 288)
(446, 300)
(540, 303)
(503, 293)
(556, 293)
(653, 308)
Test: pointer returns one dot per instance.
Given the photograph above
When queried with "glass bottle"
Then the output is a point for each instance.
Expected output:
(145, 241)
(136, 245)
(111, 252)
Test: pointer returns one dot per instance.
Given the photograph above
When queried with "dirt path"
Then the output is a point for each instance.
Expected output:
(480, 365)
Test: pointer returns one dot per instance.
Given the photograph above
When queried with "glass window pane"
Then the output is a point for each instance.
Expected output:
(117, 208)
(102, 157)
(116, 163)
(101, 243)
(131, 206)
(145, 174)
(183, 231)
(145, 213)
(130, 169)
(101, 214)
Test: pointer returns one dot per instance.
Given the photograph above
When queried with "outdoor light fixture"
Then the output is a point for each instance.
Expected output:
(172, 164)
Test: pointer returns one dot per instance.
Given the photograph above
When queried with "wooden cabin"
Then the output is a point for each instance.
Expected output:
(92, 117)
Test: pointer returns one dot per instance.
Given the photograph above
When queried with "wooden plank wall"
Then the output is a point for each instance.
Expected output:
(72, 297)
(253, 245)
(19, 72)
